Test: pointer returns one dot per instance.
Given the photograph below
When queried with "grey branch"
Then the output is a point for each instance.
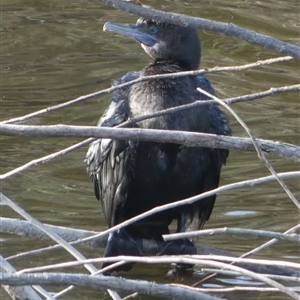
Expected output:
(53, 236)
(228, 29)
(236, 231)
(14, 226)
(190, 139)
(46, 158)
(248, 97)
(260, 153)
(207, 260)
(25, 228)
(99, 283)
(244, 98)
(178, 74)
(18, 292)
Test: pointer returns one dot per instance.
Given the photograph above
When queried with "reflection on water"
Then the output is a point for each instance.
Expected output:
(55, 51)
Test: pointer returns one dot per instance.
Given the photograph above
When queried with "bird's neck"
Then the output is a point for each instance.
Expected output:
(162, 67)
(183, 65)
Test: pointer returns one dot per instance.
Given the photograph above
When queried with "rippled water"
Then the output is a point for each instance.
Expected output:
(55, 51)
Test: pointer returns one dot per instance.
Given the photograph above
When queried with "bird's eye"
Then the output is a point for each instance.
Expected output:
(152, 30)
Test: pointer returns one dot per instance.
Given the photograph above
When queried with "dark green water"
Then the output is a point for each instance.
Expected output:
(53, 51)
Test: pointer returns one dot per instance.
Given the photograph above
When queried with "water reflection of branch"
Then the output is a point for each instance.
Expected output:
(145, 78)
(228, 29)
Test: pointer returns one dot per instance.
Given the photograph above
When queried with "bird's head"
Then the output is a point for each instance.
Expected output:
(163, 41)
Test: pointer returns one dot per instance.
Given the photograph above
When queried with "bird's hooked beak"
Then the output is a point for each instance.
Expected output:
(133, 31)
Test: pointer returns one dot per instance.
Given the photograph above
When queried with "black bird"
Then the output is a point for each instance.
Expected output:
(131, 177)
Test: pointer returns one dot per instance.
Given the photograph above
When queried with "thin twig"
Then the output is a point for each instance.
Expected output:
(253, 251)
(293, 153)
(197, 103)
(140, 79)
(22, 292)
(231, 273)
(130, 296)
(244, 288)
(256, 145)
(187, 259)
(269, 243)
(191, 200)
(235, 231)
(151, 249)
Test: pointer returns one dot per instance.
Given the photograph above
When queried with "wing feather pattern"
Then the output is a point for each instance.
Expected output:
(110, 162)
(198, 213)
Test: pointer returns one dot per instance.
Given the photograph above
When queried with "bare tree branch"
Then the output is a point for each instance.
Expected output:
(232, 273)
(107, 282)
(186, 259)
(196, 198)
(46, 158)
(145, 78)
(253, 251)
(53, 236)
(190, 139)
(244, 98)
(228, 29)
(281, 149)
(244, 289)
(259, 151)
(149, 247)
(21, 292)
(234, 231)
(26, 228)
(269, 243)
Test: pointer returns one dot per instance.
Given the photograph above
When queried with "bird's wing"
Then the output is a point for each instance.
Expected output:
(219, 124)
(110, 162)
(197, 214)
